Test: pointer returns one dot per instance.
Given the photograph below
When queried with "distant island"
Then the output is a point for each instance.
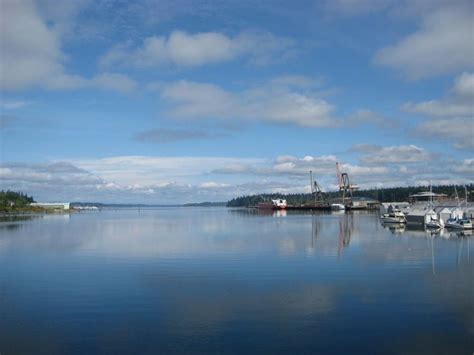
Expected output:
(144, 205)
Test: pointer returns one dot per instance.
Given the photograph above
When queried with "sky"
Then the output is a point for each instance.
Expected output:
(160, 102)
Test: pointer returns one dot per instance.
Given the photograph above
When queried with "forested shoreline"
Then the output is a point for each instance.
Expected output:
(382, 195)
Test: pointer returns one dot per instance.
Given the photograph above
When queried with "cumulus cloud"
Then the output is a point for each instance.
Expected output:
(291, 99)
(374, 154)
(38, 175)
(452, 116)
(152, 170)
(442, 44)
(458, 102)
(464, 86)
(459, 130)
(275, 103)
(190, 50)
(466, 167)
(31, 49)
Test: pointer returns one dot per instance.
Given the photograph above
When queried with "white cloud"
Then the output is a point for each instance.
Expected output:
(189, 50)
(374, 154)
(38, 175)
(162, 180)
(458, 102)
(150, 170)
(297, 169)
(466, 167)
(439, 108)
(199, 100)
(291, 99)
(452, 116)
(31, 49)
(459, 130)
(443, 43)
(213, 185)
(274, 103)
(464, 86)
(114, 82)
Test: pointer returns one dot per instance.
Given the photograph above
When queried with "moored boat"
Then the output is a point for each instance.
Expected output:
(338, 207)
(432, 221)
(277, 204)
(459, 224)
(393, 217)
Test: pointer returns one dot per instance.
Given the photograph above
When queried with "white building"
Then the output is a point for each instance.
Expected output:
(64, 206)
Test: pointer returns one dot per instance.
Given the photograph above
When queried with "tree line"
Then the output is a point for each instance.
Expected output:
(14, 199)
(383, 195)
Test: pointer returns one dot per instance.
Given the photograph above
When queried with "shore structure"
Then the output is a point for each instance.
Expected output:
(56, 206)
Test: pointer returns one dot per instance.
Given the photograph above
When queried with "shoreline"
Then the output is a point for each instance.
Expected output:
(32, 212)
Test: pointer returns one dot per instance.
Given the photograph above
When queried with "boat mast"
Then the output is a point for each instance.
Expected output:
(465, 194)
(431, 195)
(456, 196)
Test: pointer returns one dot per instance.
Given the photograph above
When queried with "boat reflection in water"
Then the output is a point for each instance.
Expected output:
(346, 225)
(395, 227)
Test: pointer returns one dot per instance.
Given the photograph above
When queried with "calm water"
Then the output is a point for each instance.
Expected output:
(184, 280)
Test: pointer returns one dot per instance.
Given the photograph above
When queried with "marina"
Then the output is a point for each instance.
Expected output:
(425, 209)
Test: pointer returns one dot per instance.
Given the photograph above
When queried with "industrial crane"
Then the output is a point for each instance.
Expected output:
(344, 184)
(316, 190)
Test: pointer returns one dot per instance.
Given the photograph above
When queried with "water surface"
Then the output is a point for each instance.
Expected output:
(216, 280)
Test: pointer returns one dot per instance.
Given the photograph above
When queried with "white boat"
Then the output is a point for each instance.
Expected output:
(433, 224)
(432, 220)
(338, 207)
(393, 217)
(459, 224)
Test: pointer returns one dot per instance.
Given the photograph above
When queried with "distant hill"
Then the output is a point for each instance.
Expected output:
(206, 204)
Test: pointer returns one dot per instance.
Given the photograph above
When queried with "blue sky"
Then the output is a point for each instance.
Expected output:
(177, 101)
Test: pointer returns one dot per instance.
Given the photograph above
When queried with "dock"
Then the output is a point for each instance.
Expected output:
(309, 208)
